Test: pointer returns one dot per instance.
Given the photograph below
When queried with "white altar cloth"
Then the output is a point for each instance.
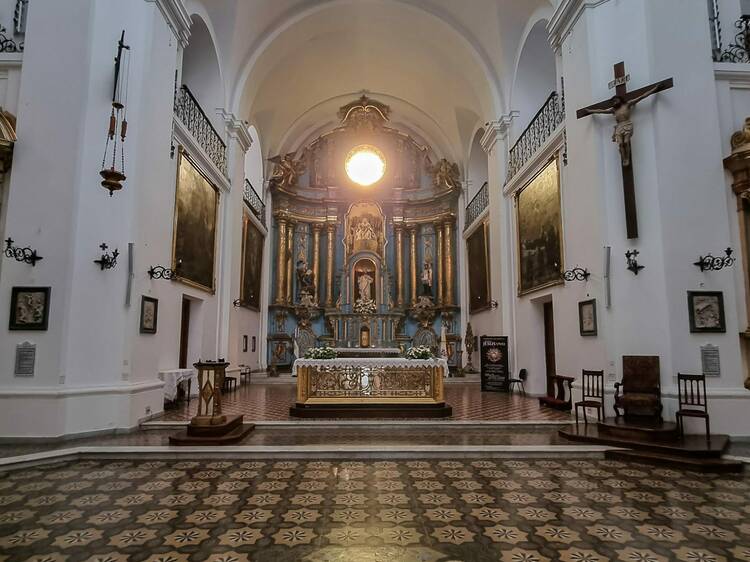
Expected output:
(375, 362)
(172, 379)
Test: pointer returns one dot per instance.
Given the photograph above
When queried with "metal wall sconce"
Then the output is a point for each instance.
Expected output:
(161, 272)
(25, 255)
(108, 260)
(237, 303)
(576, 274)
(633, 265)
(494, 304)
(712, 263)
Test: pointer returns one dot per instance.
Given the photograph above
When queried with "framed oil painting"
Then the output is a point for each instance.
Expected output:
(587, 322)
(477, 251)
(706, 311)
(539, 228)
(195, 215)
(149, 315)
(29, 308)
(252, 261)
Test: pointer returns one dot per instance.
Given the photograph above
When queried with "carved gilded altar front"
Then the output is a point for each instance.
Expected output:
(352, 254)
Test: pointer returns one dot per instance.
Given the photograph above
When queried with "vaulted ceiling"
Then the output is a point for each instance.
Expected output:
(444, 66)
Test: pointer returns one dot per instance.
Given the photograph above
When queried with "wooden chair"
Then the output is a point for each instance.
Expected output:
(692, 401)
(592, 389)
(639, 393)
(230, 384)
(522, 376)
(559, 401)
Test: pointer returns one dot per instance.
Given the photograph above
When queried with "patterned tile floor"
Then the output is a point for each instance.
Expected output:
(271, 402)
(405, 511)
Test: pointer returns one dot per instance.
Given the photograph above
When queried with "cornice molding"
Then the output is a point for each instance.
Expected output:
(566, 15)
(236, 129)
(496, 130)
(177, 17)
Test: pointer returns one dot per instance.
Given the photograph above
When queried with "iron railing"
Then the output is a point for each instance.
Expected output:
(188, 110)
(739, 50)
(544, 123)
(254, 202)
(478, 203)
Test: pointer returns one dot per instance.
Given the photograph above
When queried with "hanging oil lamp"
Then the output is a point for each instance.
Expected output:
(118, 122)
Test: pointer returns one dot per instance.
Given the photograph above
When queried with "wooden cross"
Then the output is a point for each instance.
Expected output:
(621, 106)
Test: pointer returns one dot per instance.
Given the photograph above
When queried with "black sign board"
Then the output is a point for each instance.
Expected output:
(494, 363)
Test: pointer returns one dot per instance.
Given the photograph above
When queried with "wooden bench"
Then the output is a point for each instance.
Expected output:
(559, 400)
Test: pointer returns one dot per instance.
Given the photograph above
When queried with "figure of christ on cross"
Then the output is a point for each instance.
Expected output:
(621, 106)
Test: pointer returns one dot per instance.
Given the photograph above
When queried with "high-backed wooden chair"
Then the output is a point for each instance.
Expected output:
(592, 394)
(522, 376)
(639, 393)
(692, 401)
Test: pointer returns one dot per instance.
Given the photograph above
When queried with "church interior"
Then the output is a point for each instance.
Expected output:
(365, 280)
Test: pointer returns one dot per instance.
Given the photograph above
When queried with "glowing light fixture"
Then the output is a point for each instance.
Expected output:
(365, 165)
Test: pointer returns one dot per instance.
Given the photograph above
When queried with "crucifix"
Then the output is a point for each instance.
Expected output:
(621, 106)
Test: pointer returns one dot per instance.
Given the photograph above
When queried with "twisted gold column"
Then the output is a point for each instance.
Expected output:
(317, 227)
(448, 242)
(290, 264)
(439, 260)
(281, 261)
(331, 234)
(399, 265)
(413, 263)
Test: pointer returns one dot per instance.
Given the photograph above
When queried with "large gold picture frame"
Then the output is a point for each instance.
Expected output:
(539, 231)
(196, 210)
(252, 262)
(477, 251)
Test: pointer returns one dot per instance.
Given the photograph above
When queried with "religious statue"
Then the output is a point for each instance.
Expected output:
(286, 171)
(427, 279)
(305, 278)
(445, 174)
(622, 109)
(364, 230)
(364, 282)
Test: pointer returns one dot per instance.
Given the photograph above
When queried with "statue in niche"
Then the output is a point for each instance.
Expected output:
(365, 301)
(445, 174)
(286, 171)
(427, 279)
(305, 278)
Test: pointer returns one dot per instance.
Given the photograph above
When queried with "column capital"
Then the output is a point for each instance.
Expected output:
(317, 226)
(236, 129)
(281, 216)
(177, 17)
(496, 130)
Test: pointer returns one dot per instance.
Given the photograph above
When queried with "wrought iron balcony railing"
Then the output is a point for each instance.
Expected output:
(189, 112)
(478, 203)
(253, 200)
(739, 51)
(544, 123)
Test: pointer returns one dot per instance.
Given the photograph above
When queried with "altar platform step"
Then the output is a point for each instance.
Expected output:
(655, 444)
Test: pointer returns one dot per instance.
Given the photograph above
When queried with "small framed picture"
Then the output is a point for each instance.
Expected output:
(706, 311)
(587, 318)
(149, 314)
(244, 344)
(29, 308)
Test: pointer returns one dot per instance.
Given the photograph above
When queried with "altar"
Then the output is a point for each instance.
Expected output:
(367, 387)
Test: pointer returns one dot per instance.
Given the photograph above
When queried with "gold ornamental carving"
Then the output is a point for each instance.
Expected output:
(286, 171)
(445, 175)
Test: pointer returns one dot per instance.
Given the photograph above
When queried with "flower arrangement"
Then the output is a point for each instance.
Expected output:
(420, 352)
(324, 352)
(365, 306)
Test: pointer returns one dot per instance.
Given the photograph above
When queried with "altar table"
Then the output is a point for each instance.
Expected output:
(172, 379)
(370, 387)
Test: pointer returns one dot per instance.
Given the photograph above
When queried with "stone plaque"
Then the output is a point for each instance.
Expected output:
(710, 360)
(25, 359)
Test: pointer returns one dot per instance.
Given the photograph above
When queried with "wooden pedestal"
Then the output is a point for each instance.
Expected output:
(232, 430)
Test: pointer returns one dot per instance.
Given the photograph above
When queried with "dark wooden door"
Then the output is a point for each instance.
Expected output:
(549, 346)
(184, 333)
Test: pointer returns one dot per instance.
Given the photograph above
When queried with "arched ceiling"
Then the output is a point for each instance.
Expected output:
(444, 66)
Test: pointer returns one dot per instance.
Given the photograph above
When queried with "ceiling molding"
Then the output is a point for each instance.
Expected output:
(566, 15)
(236, 129)
(177, 17)
(495, 131)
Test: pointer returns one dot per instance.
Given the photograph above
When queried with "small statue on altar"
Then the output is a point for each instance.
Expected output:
(427, 279)
(305, 278)
(365, 282)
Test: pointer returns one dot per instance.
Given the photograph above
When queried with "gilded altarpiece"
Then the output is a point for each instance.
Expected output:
(349, 257)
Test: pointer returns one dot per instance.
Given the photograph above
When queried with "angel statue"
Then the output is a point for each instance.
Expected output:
(286, 171)
(445, 174)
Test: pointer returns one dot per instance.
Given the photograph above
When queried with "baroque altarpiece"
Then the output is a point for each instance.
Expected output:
(363, 265)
